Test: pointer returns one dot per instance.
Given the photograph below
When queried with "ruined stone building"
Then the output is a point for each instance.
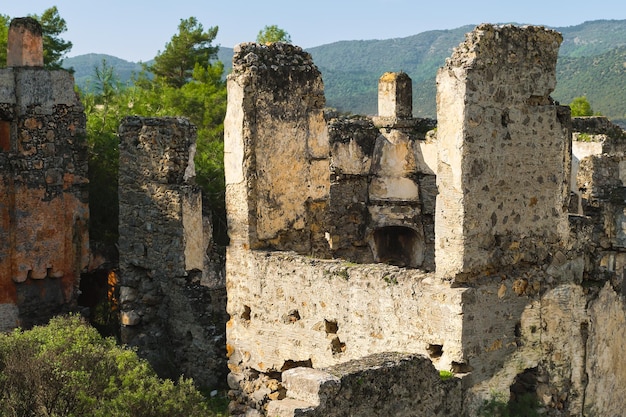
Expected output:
(44, 214)
(368, 254)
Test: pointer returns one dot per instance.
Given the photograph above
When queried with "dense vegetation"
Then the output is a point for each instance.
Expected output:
(185, 79)
(66, 369)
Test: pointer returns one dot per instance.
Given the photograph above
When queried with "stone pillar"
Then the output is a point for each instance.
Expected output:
(276, 150)
(504, 152)
(25, 43)
(166, 308)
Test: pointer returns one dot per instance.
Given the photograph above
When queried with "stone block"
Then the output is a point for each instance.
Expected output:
(393, 189)
(306, 384)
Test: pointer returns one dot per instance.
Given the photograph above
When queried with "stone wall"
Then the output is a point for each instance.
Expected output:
(169, 310)
(496, 205)
(276, 150)
(454, 247)
(389, 384)
(44, 243)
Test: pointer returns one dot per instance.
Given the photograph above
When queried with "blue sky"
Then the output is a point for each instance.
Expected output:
(136, 30)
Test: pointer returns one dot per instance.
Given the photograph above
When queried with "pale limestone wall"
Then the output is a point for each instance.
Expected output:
(276, 149)
(288, 309)
(521, 315)
(605, 351)
(500, 135)
(373, 306)
(390, 384)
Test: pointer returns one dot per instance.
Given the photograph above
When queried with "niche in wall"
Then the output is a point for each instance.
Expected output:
(398, 245)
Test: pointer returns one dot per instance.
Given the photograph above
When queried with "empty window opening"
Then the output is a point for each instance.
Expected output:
(246, 313)
(331, 327)
(461, 368)
(5, 135)
(398, 245)
(524, 391)
(337, 346)
(435, 351)
(289, 364)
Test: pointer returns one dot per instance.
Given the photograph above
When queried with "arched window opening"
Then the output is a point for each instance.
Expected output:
(398, 245)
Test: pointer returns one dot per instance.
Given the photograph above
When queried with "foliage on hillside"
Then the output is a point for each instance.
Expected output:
(66, 369)
(84, 67)
(197, 92)
(592, 38)
(351, 69)
(601, 78)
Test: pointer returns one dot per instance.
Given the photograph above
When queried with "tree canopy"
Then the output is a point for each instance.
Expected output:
(580, 106)
(191, 46)
(67, 369)
(54, 47)
(185, 83)
(272, 34)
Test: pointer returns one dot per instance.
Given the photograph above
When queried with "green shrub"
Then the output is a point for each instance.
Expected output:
(445, 375)
(67, 369)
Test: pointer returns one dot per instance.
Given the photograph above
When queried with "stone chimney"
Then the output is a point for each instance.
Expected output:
(395, 95)
(25, 43)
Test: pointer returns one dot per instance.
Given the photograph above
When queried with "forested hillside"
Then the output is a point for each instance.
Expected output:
(85, 65)
(592, 63)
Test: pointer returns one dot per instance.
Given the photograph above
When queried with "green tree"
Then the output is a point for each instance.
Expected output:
(54, 47)
(272, 34)
(5, 21)
(201, 98)
(580, 106)
(67, 369)
(104, 108)
(192, 45)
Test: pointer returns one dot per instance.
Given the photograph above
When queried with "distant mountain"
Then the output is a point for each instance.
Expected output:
(85, 68)
(592, 62)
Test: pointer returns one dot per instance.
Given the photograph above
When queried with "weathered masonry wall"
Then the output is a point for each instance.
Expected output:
(167, 308)
(44, 210)
(459, 247)
(276, 150)
(496, 205)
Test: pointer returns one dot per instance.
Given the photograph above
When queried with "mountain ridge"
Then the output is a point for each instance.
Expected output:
(590, 51)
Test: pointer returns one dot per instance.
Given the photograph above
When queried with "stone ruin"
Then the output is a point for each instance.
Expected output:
(44, 241)
(172, 303)
(368, 254)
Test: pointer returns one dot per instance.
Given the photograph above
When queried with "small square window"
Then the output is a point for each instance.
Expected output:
(5, 135)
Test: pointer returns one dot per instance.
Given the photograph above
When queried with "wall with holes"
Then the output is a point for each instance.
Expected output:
(359, 236)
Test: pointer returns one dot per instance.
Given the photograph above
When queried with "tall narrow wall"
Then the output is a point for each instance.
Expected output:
(44, 210)
(167, 311)
(504, 152)
(276, 150)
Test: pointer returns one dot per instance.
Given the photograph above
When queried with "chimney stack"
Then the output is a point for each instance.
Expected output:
(25, 43)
